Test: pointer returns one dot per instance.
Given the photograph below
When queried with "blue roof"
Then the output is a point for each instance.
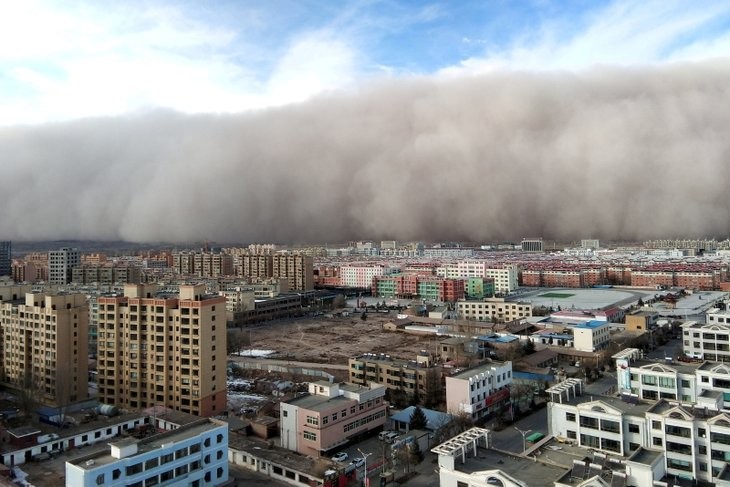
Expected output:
(592, 324)
(498, 339)
(434, 419)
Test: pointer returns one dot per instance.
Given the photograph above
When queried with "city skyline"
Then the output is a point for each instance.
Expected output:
(176, 122)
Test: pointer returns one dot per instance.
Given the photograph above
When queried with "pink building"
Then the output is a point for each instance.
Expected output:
(330, 415)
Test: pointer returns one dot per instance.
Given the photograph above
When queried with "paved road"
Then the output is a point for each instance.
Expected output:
(510, 439)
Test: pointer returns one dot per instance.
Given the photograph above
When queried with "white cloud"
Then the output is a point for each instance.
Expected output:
(624, 33)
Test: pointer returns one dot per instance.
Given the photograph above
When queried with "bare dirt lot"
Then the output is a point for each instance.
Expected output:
(334, 340)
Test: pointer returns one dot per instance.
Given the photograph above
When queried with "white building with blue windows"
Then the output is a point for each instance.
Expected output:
(195, 455)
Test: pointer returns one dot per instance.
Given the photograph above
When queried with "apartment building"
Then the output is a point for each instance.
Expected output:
(362, 275)
(330, 415)
(202, 264)
(478, 287)
(22, 271)
(298, 270)
(687, 383)
(505, 278)
(480, 391)
(591, 336)
(195, 454)
(163, 349)
(61, 264)
(421, 376)
(430, 288)
(641, 320)
(491, 309)
(44, 345)
(694, 439)
(105, 274)
(710, 341)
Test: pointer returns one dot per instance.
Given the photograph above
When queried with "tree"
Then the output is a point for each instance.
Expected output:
(364, 315)
(339, 301)
(640, 303)
(433, 387)
(418, 419)
(529, 347)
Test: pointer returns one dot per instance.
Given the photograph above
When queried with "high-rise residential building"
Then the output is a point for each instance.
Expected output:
(61, 263)
(297, 269)
(590, 244)
(44, 346)
(106, 274)
(202, 264)
(5, 259)
(163, 349)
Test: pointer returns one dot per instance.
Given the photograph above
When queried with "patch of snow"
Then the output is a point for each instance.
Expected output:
(254, 353)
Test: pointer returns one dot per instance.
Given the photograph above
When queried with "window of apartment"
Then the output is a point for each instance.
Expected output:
(656, 441)
(285, 413)
(656, 425)
(334, 416)
(572, 434)
(308, 435)
(633, 428)
(313, 420)
(570, 416)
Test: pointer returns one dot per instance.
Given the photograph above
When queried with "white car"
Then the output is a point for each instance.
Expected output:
(340, 457)
(358, 462)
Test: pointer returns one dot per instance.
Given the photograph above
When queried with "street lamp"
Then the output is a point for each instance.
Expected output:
(523, 433)
(365, 459)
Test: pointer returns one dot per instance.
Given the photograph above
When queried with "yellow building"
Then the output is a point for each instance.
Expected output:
(45, 346)
(162, 349)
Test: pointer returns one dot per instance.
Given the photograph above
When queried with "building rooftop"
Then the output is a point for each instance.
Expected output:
(592, 325)
(625, 407)
(314, 402)
(465, 374)
(645, 456)
(273, 454)
(144, 445)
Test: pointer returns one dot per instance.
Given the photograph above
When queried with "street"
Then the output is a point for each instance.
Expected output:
(509, 439)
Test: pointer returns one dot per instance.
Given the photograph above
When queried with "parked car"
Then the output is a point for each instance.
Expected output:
(340, 457)
(358, 462)
(383, 434)
(391, 436)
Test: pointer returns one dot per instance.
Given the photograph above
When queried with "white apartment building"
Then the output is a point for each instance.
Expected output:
(479, 391)
(505, 278)
(709, 341)
(193, 455)
(591, 336)
(490, 309)
(61, 263)
(362, 275)
(687, 383)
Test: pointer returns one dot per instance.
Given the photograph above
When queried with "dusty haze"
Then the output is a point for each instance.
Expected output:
(609, 153)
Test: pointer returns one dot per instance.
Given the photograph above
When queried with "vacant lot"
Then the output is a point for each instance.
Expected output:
(334, 340)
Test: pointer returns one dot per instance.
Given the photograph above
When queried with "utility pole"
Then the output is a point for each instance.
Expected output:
(523, 433)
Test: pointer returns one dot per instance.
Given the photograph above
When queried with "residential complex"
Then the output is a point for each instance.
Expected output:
(330, 415)
(429, 288)
(195, 454)
(506, 277)
(480, 391)
(105, 274)
(298, 270)
(61, 263)
(162, 349)
(44, 345)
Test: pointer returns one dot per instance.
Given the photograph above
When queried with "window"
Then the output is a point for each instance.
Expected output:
(308, 435)
(100, 479)
(656, 425)
(633, 428)
(570, 417)
(656, 441)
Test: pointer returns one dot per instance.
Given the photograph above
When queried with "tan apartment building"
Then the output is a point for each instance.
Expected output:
(45, 346)
(330, 415)
(202, 264)
(162, 349)
(491, 309)
(106, 274)
(421, 376)
(298, 270)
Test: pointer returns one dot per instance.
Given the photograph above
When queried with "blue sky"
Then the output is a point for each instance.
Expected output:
(62, 60)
